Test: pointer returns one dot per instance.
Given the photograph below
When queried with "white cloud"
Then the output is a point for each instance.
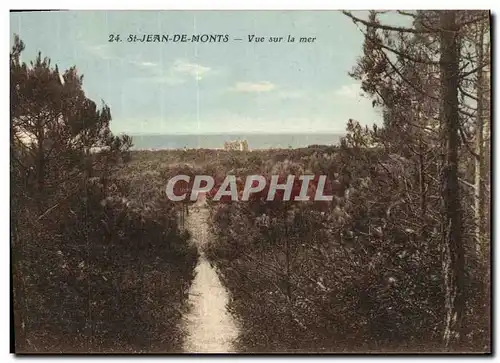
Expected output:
(174, 74)
(254, 87)
(197, 71)
(352, 91)
(177, 73)
(148, 64)
(143, 64)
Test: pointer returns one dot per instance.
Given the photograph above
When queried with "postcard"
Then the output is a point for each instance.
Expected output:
(251, 182)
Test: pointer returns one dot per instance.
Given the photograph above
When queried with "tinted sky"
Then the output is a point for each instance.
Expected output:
(213, 87)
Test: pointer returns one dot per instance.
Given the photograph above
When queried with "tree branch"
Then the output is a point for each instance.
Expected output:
(386, 27)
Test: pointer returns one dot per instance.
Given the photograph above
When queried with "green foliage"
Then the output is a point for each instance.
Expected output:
(362, 273)
(102, 274)
(99, 262)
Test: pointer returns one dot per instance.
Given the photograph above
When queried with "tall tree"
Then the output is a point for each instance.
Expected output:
(414, 72)
(454, 259)
(55, 127)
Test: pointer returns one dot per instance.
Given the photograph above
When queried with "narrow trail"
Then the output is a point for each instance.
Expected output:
(210, 328)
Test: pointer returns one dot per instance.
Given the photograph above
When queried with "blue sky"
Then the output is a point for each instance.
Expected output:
(168, 88)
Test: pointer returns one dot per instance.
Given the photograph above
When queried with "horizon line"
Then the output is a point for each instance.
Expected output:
(232, 133)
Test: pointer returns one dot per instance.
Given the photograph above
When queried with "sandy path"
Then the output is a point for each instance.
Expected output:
(210, 328)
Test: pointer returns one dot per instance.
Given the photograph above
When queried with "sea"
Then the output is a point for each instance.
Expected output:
(216, 141)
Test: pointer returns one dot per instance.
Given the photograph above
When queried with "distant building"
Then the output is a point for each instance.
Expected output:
(241, 145)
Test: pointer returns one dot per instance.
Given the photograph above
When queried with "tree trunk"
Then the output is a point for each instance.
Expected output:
(487, 139)
(88, 163)
(422, 181)
(453, 249)
(40, 166)
(479, 172)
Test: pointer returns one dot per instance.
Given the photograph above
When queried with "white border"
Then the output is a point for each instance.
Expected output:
(185, 5)
(253, 5)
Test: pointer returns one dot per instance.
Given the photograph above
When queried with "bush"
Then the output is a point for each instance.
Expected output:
(360, 273)
(101, 275)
